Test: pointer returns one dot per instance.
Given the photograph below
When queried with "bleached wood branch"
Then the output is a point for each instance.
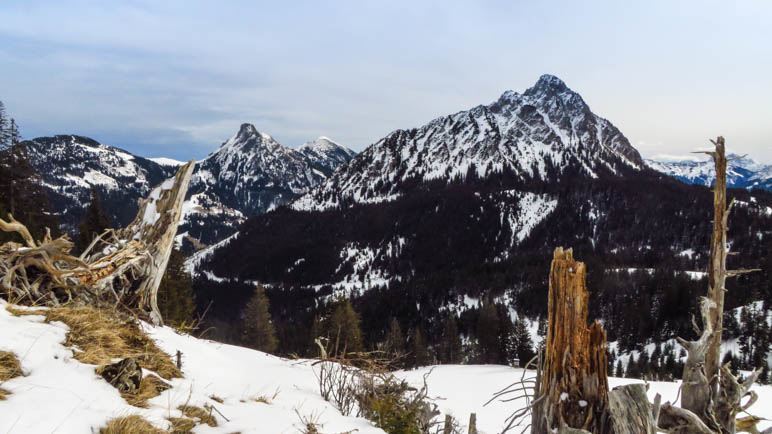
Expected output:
(126, 271)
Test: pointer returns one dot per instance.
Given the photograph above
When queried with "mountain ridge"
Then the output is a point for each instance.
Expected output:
(411, 228)
(543, 133)
(742, 171)
(245, 166)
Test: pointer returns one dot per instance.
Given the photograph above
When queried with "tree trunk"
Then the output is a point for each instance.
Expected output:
(717, 270)
(574, 381)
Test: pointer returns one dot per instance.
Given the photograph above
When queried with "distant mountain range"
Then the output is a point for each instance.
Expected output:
(70, 166)
(470, 207)
(742, 171)
(249, 174)
(438, 218)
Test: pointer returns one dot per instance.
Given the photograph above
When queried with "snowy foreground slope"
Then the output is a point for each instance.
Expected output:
(463, 389)
(60, 394)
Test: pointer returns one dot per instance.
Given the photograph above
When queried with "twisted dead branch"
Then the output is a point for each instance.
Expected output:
(120, 267)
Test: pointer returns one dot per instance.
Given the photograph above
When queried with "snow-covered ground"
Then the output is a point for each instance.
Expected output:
(60, 394)
(463, 389)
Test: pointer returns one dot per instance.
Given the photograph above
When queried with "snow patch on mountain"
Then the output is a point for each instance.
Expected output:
(164, 161)
(522, 216)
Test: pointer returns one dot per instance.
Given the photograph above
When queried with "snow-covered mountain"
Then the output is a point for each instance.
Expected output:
(70, 166)
(325, 154)
(472, 205)
(249, 174)
(544, 133)
(742, 171)
(252, 173)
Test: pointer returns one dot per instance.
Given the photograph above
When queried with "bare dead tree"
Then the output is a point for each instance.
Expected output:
(572, 391)
(711, 394)
(121, 267)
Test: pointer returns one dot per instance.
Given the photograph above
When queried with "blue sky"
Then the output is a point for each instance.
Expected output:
(177, 77)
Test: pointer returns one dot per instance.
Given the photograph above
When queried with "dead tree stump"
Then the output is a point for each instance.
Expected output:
(574, 381)
(572, 391)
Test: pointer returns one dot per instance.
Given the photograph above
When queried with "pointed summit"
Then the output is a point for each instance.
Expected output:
(246, 131)
(548, 85)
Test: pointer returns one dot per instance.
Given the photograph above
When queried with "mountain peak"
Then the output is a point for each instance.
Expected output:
(321, 143)
(248, 131)
(548, 84)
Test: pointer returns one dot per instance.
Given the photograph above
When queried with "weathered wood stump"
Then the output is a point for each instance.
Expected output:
(573, 381)
(573, 384)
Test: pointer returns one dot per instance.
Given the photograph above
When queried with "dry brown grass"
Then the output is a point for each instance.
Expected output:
(216, 398)
(102, 335)
(150, 387)
(10, 367)
(199, 414)
(182, 425)
(99, 336)
(129, 425)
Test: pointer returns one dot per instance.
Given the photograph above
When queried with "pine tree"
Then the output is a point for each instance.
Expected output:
(343, 330)
(419, 350)
(523, 343)
(633, 368)
(619, 372)
(94, 222)
(175, 293)
(488, 333)
(21, 192)
(644, 366)
(541, 329)
(611, 358)
(729, 358)
(5, 139)
(394, 345)
(316, 332)
(654, 364)
(507, 345)
(258, 329)
(450, 350)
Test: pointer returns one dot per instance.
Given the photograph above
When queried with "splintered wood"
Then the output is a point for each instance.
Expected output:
(573, 394)
(574, 379)
(121, 267)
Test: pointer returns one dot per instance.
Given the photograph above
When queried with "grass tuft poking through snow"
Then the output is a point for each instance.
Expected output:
(129, 425)
(202, 415)
(100, 336)
(9, 368)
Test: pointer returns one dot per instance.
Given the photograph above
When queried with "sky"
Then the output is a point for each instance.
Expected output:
(176, 78)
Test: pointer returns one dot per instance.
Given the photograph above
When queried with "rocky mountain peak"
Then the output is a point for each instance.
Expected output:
(546, 131)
